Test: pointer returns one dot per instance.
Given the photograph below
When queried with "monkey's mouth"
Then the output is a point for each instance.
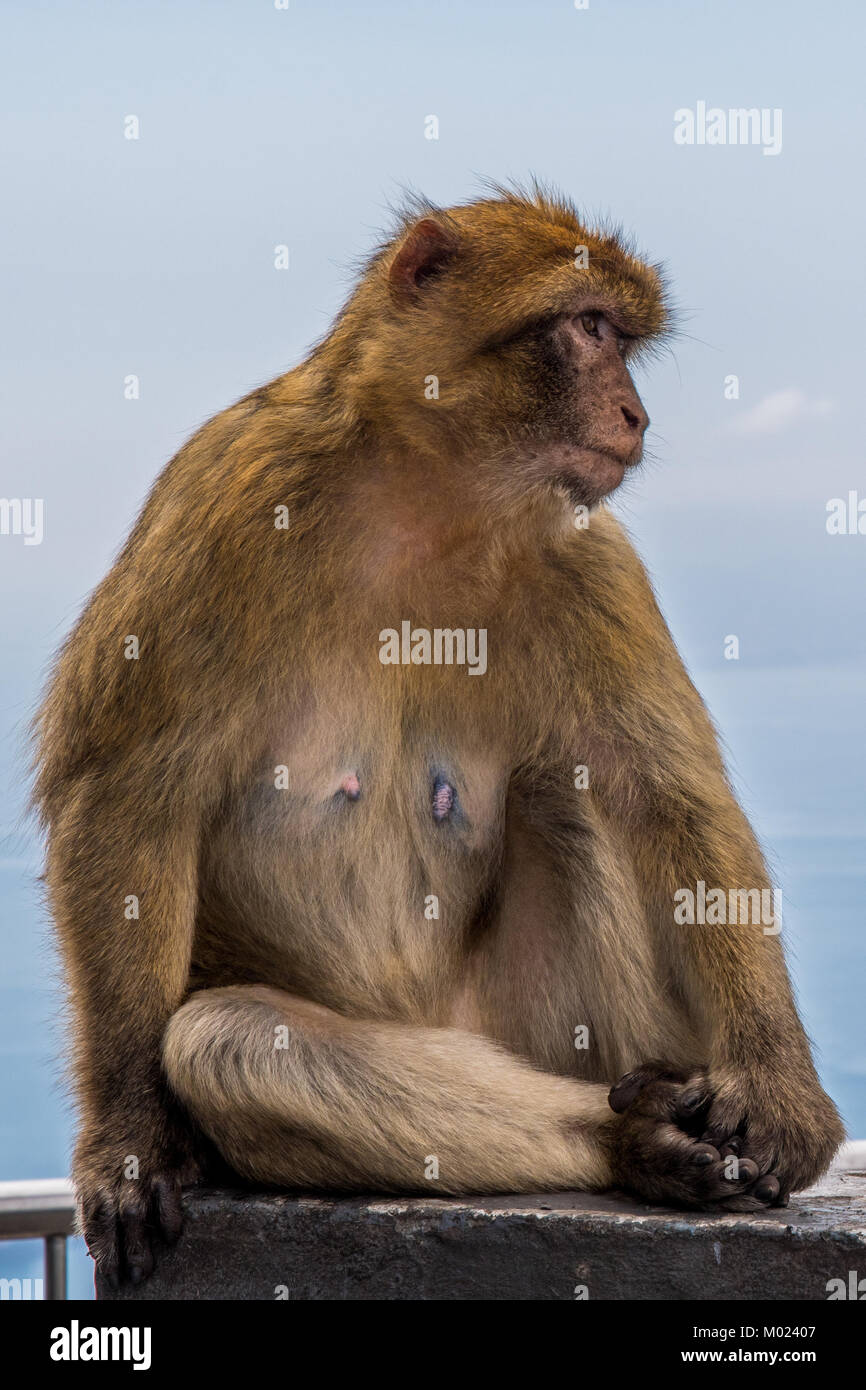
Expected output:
(589, 473)
(578, 457)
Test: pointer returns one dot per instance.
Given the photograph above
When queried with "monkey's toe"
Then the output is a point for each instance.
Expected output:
(668, 1155)
(711, 1178)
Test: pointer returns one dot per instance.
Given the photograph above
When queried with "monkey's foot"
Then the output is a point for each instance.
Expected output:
(662, 1151)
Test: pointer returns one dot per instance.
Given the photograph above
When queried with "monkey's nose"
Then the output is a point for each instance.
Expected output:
(635, 421)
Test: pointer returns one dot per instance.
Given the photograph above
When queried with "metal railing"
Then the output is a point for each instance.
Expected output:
(41, 1209)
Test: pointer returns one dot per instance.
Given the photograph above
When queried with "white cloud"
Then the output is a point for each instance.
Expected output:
(780, 410)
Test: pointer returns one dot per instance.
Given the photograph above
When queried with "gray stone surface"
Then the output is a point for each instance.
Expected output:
(248, 1246)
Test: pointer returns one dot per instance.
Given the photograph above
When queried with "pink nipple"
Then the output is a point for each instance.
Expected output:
(351, 786)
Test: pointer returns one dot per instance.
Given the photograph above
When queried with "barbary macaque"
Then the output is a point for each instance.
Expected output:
(325, 915)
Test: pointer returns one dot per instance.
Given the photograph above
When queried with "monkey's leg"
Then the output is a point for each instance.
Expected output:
(295, 1094)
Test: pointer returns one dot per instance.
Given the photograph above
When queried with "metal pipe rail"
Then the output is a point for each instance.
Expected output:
(41, 1209)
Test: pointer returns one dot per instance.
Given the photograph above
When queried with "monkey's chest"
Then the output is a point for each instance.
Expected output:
(422, 803)
(422, 768)
(356, 868)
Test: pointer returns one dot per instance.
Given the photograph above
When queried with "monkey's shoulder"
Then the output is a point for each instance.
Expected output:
(599, 565)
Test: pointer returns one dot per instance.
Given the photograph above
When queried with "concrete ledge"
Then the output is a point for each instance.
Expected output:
(249, 1246)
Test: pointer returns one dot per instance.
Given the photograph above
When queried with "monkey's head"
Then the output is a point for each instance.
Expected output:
(499, 335)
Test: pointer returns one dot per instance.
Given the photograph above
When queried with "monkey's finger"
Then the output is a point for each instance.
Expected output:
(762, 1191)
(168, 1209)
(732, 1147)
(704, 1155)
(99, 1227)
(746, 1171)
(764, 1154)
(739, 1177)
(682, 1101)
(690, 1105)
(718, 1182)
(627, 1089)
(721, 1131)
(744, 1147)
(687, 1159)
(767, 1188)
(742, 1201)
(697, 1174)
(630, 1086)
(138, 1255)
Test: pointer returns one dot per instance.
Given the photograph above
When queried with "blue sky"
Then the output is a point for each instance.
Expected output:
(261, 127)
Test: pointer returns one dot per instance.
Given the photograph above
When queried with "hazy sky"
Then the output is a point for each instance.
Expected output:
(260, 127)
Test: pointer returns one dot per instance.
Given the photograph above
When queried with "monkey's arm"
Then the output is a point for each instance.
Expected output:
(136, 746)
(121, 872)
(684, 827)
(733, 978)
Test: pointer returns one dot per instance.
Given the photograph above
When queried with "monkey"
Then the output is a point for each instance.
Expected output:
(326, 917)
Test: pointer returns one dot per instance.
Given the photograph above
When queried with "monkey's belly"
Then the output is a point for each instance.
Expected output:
(359, 884)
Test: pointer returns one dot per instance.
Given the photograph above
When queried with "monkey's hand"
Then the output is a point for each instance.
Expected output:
(786, 1123)
(661, 1149)
(128, 1182)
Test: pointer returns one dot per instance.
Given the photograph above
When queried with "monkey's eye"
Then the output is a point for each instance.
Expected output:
(589, 324)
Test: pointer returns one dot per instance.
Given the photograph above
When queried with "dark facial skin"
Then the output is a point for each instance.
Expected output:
(587, 407)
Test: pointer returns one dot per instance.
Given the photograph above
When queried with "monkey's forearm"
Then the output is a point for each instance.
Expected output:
(123, 892)
(123, 889)
(711, 904)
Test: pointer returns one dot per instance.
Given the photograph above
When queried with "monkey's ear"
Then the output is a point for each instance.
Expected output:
(427, 248)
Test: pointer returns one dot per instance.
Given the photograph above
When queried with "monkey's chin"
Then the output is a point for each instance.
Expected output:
(585, 475)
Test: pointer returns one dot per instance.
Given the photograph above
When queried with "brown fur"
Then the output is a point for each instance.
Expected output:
(264, 909)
